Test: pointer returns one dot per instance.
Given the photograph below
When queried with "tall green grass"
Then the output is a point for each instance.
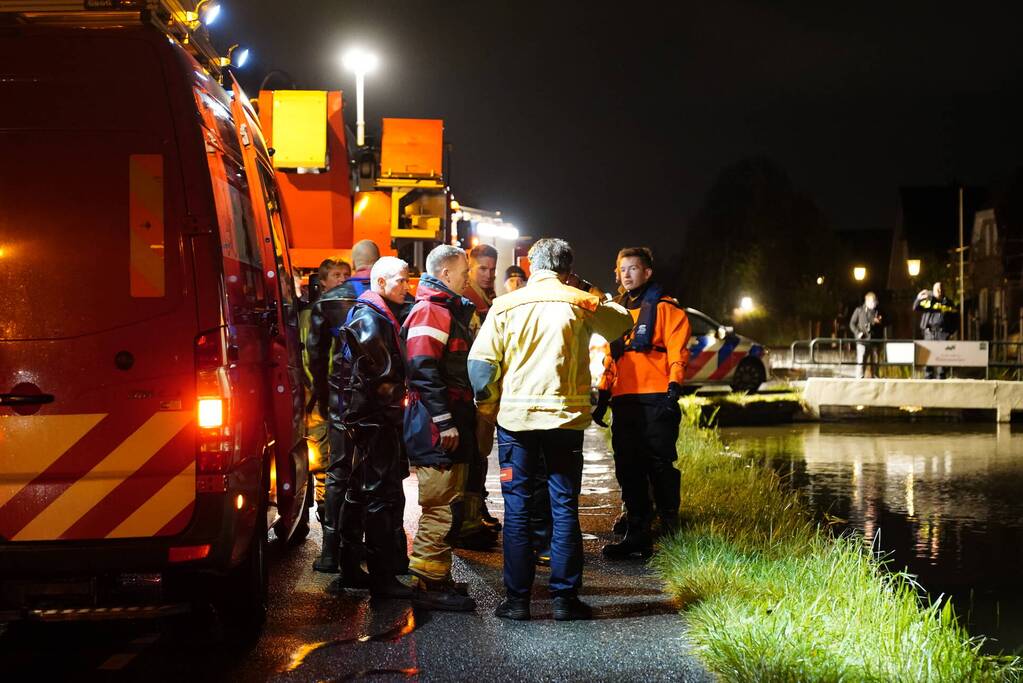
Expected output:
(770, 595)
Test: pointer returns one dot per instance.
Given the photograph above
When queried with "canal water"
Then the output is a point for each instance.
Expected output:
(944, 501)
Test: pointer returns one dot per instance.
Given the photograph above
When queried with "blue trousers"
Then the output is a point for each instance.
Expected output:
(519, 455)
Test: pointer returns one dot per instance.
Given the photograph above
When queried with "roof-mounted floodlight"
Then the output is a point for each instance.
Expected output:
(237, 62)
(205, 13)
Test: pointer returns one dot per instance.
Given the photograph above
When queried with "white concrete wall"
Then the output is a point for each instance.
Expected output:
(1003, 397)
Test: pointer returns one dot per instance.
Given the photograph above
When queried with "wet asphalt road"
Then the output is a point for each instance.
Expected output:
(310, 635)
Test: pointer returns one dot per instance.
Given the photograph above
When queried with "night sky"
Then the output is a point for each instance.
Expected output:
(607, 124)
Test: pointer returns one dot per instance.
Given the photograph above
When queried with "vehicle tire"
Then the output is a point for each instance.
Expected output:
(748, 376)
(302, 530)
(241, 601)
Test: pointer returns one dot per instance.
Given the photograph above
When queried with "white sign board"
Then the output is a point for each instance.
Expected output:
(955, 354)
(900, 353)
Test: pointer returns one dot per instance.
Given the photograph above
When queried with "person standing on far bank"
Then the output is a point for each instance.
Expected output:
(866, 324)
(938, 322)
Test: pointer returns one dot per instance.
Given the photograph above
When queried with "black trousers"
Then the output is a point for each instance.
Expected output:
(644, 438)
(933, 371)
(344, 517)
(379, 466)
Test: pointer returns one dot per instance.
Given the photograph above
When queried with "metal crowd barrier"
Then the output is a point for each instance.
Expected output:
(1005, 358)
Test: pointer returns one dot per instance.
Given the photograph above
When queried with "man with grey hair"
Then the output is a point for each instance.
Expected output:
(440, 422)
(373, 399)
(530, 365)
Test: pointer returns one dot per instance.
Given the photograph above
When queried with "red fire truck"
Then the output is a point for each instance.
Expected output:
(150, 393)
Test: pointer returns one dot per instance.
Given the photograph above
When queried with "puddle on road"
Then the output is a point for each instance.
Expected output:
(399, 631)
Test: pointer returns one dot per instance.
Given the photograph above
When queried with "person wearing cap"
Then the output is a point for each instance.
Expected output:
(514, 278)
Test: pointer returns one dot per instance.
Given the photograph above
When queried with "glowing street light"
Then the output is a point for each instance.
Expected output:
(360, 62)
(746, 304)
(820, 279)
(913, 266)
(859, 273)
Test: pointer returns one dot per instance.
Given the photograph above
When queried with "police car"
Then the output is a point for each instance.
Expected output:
(720, 357)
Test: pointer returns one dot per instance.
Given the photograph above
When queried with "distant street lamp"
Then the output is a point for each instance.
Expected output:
(913, 266)
(859, 273)
(820, 279)
(746, 304)
(360, 63)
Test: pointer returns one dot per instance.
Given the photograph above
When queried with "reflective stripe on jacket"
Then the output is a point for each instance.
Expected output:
(437, 337)
(530, 361)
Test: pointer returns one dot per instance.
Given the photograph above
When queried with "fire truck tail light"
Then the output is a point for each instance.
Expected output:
(211, 412)
(214, 445)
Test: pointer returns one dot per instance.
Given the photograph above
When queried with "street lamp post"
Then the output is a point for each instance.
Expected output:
(360, 63)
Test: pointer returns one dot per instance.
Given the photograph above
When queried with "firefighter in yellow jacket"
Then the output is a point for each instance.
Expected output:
(642, 384)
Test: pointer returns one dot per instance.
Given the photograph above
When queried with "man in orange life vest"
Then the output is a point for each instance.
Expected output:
(642, 384)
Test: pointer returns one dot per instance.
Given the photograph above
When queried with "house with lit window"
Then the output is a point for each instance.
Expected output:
(995, 274)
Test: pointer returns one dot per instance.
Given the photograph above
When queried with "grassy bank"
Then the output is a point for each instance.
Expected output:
(743, 409)
(769, 595)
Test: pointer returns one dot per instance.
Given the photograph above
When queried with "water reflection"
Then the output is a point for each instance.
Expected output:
(946, 501)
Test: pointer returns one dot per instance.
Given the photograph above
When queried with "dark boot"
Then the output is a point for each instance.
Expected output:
(621, 524)
(352, 573)
(482, 539)
(330, 553)
(380, 556)
(400, 551)
(669, 526)
(445, 596)
(637, 542)
(513, 608)
(489, 520)
(571, 608)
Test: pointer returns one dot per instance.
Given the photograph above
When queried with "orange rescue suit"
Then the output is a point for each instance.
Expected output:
(637, 373)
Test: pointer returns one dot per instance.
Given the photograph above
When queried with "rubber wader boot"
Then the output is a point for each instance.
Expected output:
(330, 552)
(352, 573)
(380, 557)
(401, 551)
